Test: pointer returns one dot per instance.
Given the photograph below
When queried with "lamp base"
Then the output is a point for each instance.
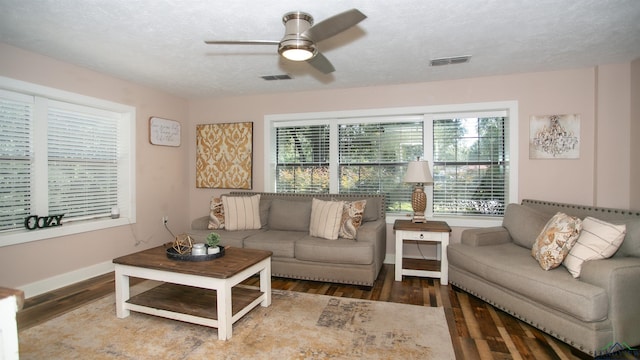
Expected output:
(417, 218)
(419, 204)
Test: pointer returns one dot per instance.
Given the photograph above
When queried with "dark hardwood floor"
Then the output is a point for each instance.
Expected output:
(478, 330)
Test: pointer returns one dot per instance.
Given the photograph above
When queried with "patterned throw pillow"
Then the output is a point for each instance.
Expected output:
(598, 240)
(216, 214)
(351, 218)
(326, 218)
(556, 240)
(241, 212)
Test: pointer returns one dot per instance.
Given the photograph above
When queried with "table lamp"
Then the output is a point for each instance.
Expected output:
(418, 173)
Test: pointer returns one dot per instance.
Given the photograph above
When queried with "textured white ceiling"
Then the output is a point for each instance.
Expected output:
(159, 43)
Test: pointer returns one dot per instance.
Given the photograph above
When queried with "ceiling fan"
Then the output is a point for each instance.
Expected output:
(301, 36)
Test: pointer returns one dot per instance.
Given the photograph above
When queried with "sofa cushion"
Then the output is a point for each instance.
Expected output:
(265, 206)
(341, 251)
(372, 210)
(241, 212)
(290, 215)
(351, 218)
(631, 243)
(556, 240)
(227, 238)
(326, 218)
(216, 214)
(524, 224)
(512, 267)
(281, 243)
(598, 240)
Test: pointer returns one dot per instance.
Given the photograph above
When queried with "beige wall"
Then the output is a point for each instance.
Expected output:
(634, 181)
(582, 181)
(161, 174)
(166, 175)
(613, 126)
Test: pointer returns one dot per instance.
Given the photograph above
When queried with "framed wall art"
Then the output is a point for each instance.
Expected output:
(224, 156)
(164, 132)
(554, 137)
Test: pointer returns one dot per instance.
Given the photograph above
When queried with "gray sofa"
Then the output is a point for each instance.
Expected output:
(591, 312)
(285, 219)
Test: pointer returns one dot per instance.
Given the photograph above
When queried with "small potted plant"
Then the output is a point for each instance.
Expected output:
(213, 240)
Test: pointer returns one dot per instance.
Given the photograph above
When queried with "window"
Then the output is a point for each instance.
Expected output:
(470, 165)
(302, 159)
(371, 157)
(469, 151)
(63, 153)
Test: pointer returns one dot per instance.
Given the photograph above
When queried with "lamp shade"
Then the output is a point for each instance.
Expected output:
(418, 172)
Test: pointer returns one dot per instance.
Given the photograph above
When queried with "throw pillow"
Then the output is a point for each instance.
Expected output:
(555, 240)
(216, 214)
(241, 212)
(326, 218)
(598, 240)
(351, 218)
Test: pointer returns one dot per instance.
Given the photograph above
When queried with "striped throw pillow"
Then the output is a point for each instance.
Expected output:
(326, 218)
(241, 212)
(598, 240)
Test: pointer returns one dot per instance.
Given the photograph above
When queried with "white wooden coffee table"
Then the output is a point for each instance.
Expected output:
(187, 293)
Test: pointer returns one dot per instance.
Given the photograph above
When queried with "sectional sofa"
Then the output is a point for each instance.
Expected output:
(285, 226)
(596, 312)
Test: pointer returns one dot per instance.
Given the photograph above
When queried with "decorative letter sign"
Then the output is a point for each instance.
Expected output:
(38, 222)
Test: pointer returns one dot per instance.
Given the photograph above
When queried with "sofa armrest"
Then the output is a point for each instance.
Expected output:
(620, 277)
(201, 223)
(376, 233)
(485, 236)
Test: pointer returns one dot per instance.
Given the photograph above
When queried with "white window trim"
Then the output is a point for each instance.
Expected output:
(511, 108)
(129, 193)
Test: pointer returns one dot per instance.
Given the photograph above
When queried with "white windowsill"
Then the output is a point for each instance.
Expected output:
(24, 235)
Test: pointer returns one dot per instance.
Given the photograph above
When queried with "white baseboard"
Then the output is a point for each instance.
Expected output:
(62, 280)
(390, 259)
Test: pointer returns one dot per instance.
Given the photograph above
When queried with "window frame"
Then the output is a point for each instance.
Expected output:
(429, 155)
(511, 142)
(126, 194)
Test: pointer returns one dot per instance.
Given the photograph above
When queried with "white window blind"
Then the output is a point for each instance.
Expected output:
(470, 166)
(373, 159)
(371, 156)
(82, 162)
(16, 112)
(302, 164)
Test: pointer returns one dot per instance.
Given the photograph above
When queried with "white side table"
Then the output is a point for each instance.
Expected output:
(431, 231)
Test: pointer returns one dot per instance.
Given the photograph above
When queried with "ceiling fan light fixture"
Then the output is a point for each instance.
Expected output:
(297, 50)
(297, 54)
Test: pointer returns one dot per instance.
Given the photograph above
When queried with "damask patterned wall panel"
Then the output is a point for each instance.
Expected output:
(224, 155)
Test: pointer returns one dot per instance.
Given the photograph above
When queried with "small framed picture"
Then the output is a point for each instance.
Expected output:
(554, 137)
(164, 132)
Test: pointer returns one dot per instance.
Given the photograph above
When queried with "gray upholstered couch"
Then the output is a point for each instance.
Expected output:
(591, 312)
(285, 222)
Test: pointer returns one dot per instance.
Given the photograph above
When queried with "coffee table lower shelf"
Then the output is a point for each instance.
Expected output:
(191, 304)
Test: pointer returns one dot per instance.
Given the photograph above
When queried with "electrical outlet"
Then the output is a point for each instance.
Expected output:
(165, 220)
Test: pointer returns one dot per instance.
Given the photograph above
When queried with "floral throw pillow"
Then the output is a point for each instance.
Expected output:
(216, 214)
(351, 218)
(556, 240)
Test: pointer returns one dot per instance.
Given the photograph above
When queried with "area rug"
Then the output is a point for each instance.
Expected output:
(295, 326)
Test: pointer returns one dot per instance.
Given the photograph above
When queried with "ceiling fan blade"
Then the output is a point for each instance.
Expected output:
(334, 25)
(242, 42)
(321, 63)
